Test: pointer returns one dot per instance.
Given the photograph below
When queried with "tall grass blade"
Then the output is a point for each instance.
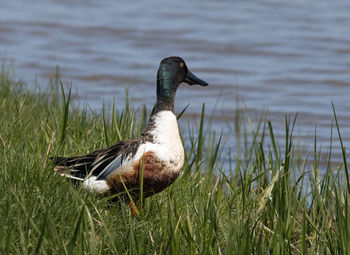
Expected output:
(141, 170)
(182, 112)
(93, 249)
(74, 238)
(274, 146)
(132, 203)
(42, 233)
(65, 111)
(105, 132)
(343, 149)
(200, 140)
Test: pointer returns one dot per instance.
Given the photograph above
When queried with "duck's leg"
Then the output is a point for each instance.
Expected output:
(133, 207)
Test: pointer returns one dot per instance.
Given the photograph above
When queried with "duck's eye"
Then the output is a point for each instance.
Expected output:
(182, 65)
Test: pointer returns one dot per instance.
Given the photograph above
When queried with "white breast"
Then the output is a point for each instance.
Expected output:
(167, 143)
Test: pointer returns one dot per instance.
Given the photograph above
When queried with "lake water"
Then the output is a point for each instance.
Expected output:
(286, 56)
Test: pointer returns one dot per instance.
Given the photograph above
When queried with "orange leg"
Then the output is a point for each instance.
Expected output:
(134, 208)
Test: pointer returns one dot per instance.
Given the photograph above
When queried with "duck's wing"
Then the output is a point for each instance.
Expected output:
(100, 163)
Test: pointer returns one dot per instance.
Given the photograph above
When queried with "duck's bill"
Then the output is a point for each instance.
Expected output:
(191, 79)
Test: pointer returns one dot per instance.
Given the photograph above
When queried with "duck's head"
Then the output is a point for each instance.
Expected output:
(171, 73)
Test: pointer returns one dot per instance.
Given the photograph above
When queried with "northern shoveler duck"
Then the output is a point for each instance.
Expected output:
(158, 153)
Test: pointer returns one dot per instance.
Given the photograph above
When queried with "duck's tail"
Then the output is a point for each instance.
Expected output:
(75, 168)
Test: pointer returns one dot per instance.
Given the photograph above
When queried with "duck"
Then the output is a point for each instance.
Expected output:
(157, 155)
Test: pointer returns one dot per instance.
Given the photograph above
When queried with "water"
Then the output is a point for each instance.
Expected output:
(285, 56)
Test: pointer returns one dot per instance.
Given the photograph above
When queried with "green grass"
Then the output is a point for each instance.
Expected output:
(272, 201)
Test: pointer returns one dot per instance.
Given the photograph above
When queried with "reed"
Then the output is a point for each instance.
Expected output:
(272, 200)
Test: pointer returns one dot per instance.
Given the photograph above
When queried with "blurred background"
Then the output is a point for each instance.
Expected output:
(286, 57)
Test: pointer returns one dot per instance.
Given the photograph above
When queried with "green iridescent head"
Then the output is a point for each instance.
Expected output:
(171, 73)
